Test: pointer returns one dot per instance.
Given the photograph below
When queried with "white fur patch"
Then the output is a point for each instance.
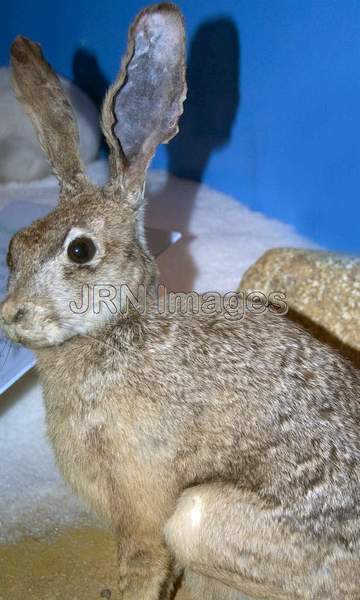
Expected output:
(182, 531)
(196, 511)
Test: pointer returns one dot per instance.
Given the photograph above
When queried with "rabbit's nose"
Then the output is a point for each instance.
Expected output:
(12, 311)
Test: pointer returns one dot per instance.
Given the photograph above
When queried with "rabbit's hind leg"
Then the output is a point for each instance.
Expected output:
(223, 533)
(199, 587)
(209, 534)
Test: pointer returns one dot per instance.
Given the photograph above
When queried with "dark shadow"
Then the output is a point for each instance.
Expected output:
(88, 76)
(212, 100)
(325, 336)
(213, 70)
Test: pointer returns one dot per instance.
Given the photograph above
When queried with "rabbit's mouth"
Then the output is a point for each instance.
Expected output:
(31, 325)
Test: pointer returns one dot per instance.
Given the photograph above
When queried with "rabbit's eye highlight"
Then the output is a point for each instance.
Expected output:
(81, 250)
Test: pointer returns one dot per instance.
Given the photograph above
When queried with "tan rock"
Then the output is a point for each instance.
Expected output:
(321, 286)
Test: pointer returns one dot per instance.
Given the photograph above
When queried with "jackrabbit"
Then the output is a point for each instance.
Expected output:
(227, 448)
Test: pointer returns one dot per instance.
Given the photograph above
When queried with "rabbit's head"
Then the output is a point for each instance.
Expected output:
(94, 239)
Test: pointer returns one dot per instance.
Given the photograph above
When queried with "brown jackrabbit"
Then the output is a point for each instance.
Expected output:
(227, 448)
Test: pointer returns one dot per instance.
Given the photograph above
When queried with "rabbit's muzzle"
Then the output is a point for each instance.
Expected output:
(11, 314)
(12, 311)
(29, 323)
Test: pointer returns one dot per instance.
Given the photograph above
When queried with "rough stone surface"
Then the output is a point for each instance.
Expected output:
(321, 286)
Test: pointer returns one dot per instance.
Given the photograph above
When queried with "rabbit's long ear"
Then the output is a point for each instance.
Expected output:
(38, 88)
(142, 108)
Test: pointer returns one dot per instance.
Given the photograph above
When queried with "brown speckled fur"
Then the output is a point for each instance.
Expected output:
(226, 449)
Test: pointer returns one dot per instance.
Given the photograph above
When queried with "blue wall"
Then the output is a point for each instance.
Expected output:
(274, 102)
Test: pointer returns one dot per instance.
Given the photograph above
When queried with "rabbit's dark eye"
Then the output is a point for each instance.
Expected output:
(81, 250)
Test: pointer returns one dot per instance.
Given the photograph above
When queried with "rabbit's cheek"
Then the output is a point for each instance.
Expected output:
(70, 300)
(43, 329)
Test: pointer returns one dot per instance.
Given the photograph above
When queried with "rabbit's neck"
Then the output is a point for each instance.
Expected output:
(92, 357)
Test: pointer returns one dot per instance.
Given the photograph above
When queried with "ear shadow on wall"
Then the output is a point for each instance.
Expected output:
(88, 75)
(212, 101)
(209, 114)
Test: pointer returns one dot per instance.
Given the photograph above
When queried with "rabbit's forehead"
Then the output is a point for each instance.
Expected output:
(102, 220)
(33, 240)
(53, 230)
(36, 239)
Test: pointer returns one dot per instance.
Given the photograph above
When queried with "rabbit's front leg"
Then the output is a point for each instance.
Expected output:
(144, 567)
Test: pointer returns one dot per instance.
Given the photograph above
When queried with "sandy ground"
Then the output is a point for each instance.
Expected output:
(75, 564)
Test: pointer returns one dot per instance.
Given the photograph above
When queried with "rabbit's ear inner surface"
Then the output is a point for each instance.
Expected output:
(142, 108)
(39, 89)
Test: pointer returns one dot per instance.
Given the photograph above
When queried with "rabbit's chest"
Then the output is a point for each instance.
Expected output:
(85, 449)
(102, 453)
